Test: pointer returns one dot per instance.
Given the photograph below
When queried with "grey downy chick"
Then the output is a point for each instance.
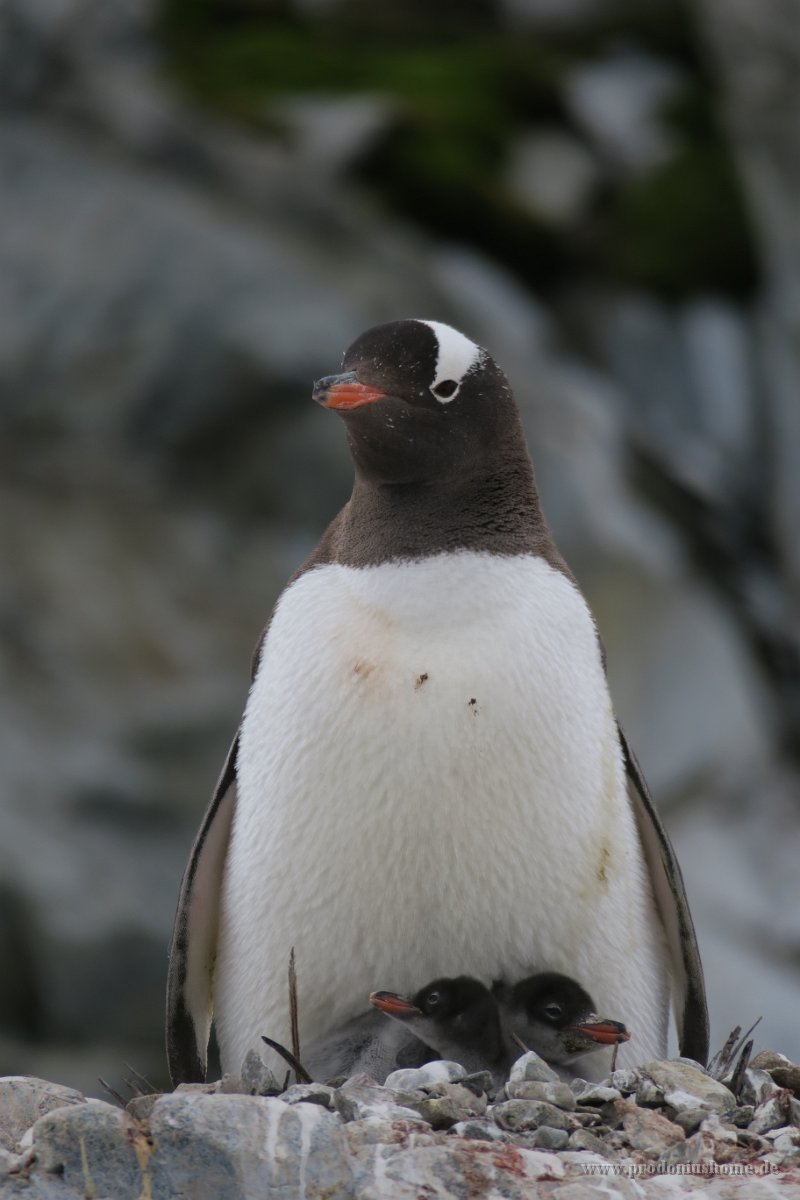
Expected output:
(459, 1017)
(553, 1015)
(367, 1043)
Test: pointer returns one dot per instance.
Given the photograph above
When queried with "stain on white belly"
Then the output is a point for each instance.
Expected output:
(430, 783)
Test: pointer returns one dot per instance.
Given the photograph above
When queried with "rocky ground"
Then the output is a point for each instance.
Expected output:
(172, 278)
(665, 1129)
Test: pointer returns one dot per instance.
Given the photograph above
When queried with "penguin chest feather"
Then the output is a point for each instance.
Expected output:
(430, 783)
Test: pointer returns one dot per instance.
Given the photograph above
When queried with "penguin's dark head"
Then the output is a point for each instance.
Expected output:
(446, 1012)
(421, 402)
(554, 1015)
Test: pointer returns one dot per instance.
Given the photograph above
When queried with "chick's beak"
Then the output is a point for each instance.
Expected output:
(394, 1005)
(607, 1033)
(344, 391)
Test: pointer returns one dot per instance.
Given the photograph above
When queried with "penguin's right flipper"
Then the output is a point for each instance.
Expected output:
(194, 936)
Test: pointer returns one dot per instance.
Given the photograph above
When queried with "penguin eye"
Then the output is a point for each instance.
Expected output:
(445, 389)
(552, 1011)
(432, 999)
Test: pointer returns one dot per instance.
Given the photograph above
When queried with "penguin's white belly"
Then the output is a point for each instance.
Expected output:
(430, 783)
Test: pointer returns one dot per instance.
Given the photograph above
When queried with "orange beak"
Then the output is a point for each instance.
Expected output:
(344, 391)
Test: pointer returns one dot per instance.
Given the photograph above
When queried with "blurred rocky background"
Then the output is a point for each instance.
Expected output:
(202, 202)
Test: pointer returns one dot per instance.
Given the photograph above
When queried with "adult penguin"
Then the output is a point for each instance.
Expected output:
(428, 779)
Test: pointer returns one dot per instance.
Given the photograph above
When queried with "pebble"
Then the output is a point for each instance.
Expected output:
(690, 1119)
(559, 1093)
(479, 1082)
(24, 1099)
(547, 1138)
(757, 1086)
(582, 1139)
(309, 1093)
(480, 1130)
(780, 1110)
(441, 1112)
(531, 1066)
(410, 1079)
(597, 1093)
(647, 1130)
(625, 1079)
(517, 1115)
(256, 1077)
(689, 1084)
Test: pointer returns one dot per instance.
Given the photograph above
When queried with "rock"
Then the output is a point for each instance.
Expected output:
(480, 1082)
(785, 1138)
(618, 102)
(765, 1060)
(329, 132)
(553, 175)
(722, 1132)
(757, 1086)
(361, 1097)
(140, 1107)
(411, 1079)
(375, 1131)
(584, 1139)
(741, 1116)
(482, 1130)
(310, 1093)
(456, 1168)
(531, 1066)
(256, 1077)
(24, 1099)
(596, 1093)
(646, 1130)
(685, 1085)
(559, 1094)
(521, 1115)
(649, 1094)
(214, 1146)
(699, 1148)
(690, 1119)
(547, 1138)
(780, 1110)
(96, 1149)
(625, 1080)
(787, 1077)
(721, 372)
(441, 1112)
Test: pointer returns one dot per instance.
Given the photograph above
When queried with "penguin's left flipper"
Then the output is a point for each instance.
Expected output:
(194, 936)
(689, 994)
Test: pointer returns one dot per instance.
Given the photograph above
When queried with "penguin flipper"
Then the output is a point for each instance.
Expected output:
(689, 994)
(194, 936)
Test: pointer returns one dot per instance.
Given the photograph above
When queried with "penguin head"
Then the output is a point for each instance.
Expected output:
(554, 1015)
(421, 403)
(449, 1014)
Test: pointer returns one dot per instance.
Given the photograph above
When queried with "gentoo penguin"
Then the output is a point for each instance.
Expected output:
(460, 1018)
(429, 707)
(553, 1015)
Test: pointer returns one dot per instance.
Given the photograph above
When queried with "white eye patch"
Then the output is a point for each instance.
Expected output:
(456, 357)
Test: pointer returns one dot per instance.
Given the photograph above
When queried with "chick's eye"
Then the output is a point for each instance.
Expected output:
(445, 389)
(432, 999)
(552, 1011)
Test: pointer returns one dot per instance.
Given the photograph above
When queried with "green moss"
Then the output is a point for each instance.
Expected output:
(683, 227)
(462, 91)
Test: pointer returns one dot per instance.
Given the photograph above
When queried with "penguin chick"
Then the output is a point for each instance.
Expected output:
(460, 1017)
(365, 1043)
(553, 1015)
